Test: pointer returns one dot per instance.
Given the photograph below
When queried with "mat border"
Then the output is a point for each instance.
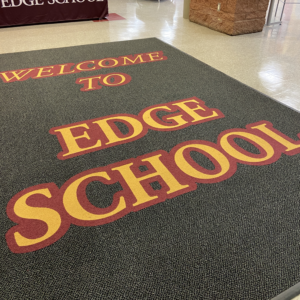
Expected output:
(294, 290)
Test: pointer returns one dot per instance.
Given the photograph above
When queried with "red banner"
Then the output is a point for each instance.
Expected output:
(20, 12)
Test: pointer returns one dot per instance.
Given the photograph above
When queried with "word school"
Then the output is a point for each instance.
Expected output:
(54, 209)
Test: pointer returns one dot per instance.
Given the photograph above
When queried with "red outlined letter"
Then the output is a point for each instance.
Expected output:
(139, 182)
(291, 147)
(89, 83)
(40, 216)
(17, 75)
(70, 141)
(267, 153)
(81, 211)
(225, 166)
(192, 111)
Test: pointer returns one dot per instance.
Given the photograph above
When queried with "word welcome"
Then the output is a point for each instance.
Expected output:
(71, 68)
(96, 134)
(44, 212)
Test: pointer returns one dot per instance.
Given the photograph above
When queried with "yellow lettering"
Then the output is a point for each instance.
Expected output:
(100, 63)
(90, 83)
(133, 61)
(234, 152)
(111, 135)
(71, 141)
(16, 75)
(154, 56)
(135, 185)
(178, 120)
(62, 69)
(105, 79)
(49, 216)
(74, 208)
(78, 66)
(44, 70)
(290, 145)
(193, 172)
(192, 111)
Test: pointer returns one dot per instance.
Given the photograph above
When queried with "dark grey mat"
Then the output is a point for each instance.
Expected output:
(235, 239)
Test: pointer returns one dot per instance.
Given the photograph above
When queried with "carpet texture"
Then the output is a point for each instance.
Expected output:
(188, 232)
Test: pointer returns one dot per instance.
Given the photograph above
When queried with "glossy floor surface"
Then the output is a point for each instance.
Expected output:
(267, 61)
